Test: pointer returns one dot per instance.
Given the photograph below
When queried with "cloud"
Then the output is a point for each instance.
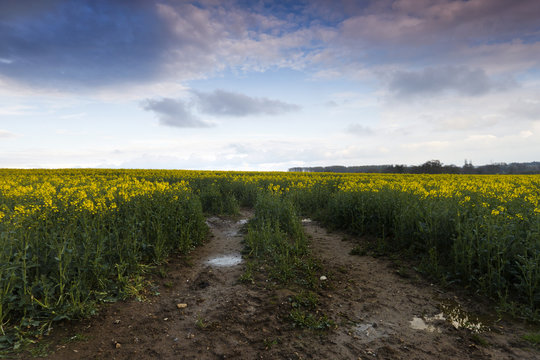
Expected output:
(418, 22)
(428, 146)
(524, 109)
(360, 130)
(11, 9)
(6, 134)
(403, 33)
(82, 44)
(500, 57)
(331, 104)
(17, 110)
(181, 113)
(432, 81)
(94, 44)
(226, 103)
(174, 112)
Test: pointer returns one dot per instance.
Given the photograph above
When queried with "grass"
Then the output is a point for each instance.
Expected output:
(269, 343)
(306, 319)
(201, 323)
(477, 339)
(275, 241)
(359, 250)
(306, 299)
(533, 338)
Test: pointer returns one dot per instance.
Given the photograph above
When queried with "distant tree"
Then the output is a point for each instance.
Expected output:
(451, 169)
(468, 168)
(431, 167)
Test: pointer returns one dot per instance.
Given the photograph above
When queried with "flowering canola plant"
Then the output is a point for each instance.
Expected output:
(74, 237)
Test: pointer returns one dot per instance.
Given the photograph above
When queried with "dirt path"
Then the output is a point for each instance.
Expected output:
(390, 313)
(375, 309)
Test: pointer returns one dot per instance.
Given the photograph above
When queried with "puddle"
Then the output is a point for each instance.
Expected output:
(424, 324)
(225, 260)
(235, 232)
(461, 319)
(453, 313)
(210, 221)
(369, 332)
(232, 233)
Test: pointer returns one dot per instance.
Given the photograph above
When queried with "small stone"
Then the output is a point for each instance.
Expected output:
(323, 278)
(181, 306)
(165, 319)
(118, 345)
(117, 321)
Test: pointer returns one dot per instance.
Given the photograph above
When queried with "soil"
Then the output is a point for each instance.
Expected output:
(381, 311)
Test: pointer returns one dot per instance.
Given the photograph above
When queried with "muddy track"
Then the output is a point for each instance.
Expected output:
(203, 312)
(390, 312)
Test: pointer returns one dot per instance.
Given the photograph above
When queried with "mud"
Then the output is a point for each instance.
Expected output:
(203, 312)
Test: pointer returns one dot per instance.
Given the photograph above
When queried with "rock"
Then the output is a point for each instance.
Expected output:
(181, 306)
(323, 278)
(118, 345)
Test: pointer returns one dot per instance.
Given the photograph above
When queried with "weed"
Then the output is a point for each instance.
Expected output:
(359, 250)
(306, 299)
(305, 319)
(75, 338)
(247, 276)
(268, 343)
(533, 338)
(403, 272)
(201, 323)
(477, 339)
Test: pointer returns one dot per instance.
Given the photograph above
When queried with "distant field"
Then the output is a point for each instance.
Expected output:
(73, 238)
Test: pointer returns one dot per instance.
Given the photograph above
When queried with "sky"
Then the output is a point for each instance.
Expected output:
(268, 85)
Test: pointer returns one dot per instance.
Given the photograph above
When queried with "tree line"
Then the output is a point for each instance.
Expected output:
(431, 167)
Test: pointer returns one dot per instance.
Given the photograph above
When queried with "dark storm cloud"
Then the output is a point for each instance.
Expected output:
(226, 103)
(174, 112)
(87, 43)
(432, 81)
(13, 9)
(91, 43)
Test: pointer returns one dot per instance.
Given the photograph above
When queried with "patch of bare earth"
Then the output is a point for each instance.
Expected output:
(203, 312)
(385, 312)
